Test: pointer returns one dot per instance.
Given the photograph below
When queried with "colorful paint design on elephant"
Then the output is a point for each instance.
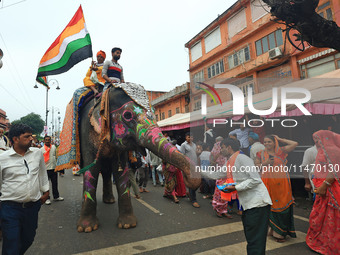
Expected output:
(88, 186)
(125, 181)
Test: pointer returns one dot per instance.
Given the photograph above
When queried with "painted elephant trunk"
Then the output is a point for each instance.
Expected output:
(154, 140)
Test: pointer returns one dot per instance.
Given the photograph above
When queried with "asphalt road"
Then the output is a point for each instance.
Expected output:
(163, 227)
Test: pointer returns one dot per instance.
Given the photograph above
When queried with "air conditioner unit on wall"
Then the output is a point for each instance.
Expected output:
(275, 53)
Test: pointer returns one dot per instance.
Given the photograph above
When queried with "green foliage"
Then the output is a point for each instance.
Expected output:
(34, 121)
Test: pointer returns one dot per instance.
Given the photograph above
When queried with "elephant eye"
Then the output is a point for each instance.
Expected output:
(127, 115)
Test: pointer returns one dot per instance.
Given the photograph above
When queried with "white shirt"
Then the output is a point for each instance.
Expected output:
(189, 150)
(52, 162)
(19, 184)
(255, 148)
(242, 136)
(251, 191)
(309, 158)
(3, 144)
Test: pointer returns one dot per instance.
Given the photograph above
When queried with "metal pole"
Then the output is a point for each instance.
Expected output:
(53, 122)
(46, 106)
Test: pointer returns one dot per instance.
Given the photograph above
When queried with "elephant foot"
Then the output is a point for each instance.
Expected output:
(108, 199)
(87, 224)
(127, 221)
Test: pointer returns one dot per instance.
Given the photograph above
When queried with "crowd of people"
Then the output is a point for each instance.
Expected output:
(263, 195)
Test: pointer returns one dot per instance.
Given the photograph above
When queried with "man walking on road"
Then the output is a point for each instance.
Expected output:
(50, 157)
(23, 178)
(252, 194)
(188, 148)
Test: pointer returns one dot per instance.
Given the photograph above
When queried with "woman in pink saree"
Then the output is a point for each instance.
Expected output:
(324, 231)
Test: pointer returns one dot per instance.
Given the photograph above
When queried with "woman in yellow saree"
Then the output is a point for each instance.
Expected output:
(275, 176)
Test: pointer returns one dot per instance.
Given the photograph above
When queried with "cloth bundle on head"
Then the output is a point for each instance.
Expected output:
(101, 53)
(253, 135)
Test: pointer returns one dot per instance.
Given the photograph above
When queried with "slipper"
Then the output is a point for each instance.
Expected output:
(176, 200)
(146, 191)
(280, 240)
(137, 196)
(196, 205)
(227, 215)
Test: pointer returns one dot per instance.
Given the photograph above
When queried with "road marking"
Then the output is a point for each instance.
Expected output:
(301, 218)
(194, 235)
(168, 240)
(240, 248)
(148, 206)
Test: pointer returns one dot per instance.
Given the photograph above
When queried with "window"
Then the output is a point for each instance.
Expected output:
(269, 42)
(258, 9)
(196, 51)
(325, 13)
(169, 113)
(216, 69)
(237, 23)
(239, 57)
(320, 66)
(329, 14)
(212, 40)
(163, 115)
(246, 87)
(156, 117)
(198, 77)
(177, 110)
(197, 105)
(244, 84)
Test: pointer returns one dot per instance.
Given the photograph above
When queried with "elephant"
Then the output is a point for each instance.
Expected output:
(131, 127)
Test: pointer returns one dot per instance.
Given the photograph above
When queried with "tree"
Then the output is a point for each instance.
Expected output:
(301, 15)
(34, 121)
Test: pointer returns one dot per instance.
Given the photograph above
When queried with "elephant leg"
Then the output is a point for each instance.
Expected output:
(126, 218)
(88, 220)
(108, 197)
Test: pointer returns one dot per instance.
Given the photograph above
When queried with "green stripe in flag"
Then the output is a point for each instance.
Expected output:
(69, 59)
(41, 81)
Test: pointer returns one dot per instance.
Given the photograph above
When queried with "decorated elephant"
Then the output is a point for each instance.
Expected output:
(123, 121)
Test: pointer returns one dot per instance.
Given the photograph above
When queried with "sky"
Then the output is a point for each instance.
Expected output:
(151, 33)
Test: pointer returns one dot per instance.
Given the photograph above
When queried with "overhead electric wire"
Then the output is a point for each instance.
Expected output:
(19, 84)
(15, 98)
(3, 7)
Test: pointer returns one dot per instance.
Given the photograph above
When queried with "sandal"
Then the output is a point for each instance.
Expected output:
(176, 200)
(218, 214)
(196, 205)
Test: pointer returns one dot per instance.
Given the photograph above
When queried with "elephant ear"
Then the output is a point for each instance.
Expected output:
(137, 93)
(95, 121)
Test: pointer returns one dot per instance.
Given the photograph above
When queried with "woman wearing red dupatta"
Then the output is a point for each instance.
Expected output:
(324, 231)
(277, 180)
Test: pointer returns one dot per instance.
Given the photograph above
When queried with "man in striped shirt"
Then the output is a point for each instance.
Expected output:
(112, 71)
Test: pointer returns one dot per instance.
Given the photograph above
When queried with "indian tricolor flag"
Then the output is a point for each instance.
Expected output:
(72, 46)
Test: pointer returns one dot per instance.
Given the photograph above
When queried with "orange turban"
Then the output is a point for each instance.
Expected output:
(101, 53)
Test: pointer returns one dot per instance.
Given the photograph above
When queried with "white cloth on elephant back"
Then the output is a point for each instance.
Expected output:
(137, 93)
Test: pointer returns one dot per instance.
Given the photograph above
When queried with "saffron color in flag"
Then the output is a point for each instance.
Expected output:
(72, 46)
